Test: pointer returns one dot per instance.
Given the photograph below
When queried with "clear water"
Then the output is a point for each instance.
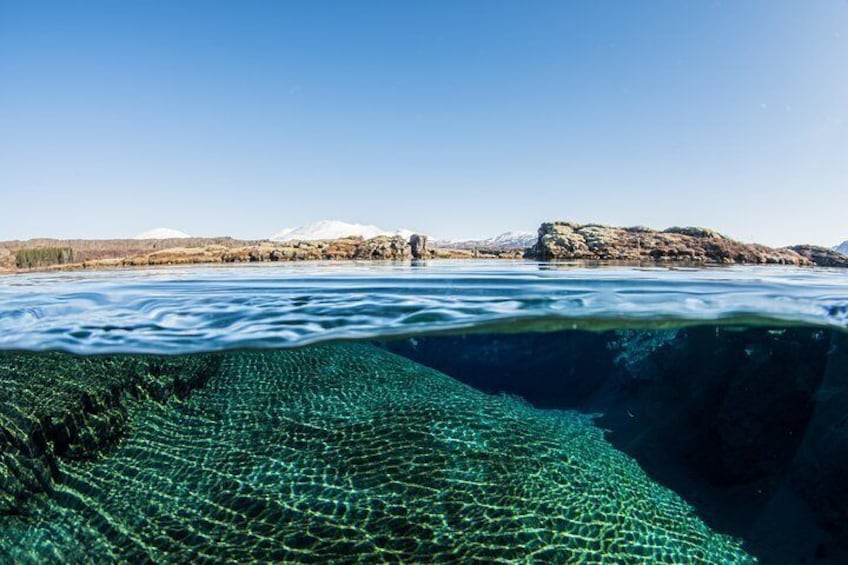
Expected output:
(194, 310)
(442, 412)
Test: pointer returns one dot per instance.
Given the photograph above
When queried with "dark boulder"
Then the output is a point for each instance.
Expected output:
(418, 243)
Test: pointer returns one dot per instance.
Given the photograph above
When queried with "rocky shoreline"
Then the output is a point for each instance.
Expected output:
(557, 241)
(110, 254)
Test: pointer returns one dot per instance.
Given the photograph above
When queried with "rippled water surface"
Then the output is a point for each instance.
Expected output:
(190, 310)
(474, 412)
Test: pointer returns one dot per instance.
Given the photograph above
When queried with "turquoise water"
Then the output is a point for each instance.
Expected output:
(450, 412)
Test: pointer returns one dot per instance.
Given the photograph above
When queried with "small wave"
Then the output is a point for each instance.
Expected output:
(210, 309)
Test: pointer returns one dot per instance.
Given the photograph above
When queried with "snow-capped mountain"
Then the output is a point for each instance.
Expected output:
(513, 239)
(842, 247)
(506, 240)
(162, 233)
(334, 229)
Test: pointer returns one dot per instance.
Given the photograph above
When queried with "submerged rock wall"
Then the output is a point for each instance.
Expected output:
(821, 464)
(57, 406)
(747, 424)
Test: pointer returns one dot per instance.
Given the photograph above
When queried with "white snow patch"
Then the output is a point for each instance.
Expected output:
(162, 233)
(334, 229)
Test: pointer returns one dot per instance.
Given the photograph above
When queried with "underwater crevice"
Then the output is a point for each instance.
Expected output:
(742, 422)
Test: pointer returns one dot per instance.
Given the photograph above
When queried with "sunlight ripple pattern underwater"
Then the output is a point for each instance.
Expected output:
(345, 452)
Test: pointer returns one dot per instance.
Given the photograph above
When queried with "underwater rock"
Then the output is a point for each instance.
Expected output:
(552, 369)
(747, 424)
(62, 407)
(822, 460)
(340, 453)
(742, 398)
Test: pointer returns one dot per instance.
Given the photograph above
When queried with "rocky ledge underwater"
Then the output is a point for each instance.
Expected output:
(702, 444)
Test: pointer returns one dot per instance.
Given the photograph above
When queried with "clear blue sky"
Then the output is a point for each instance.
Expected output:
(457, 118)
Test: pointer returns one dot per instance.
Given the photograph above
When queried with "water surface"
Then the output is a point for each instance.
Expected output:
(207, 309)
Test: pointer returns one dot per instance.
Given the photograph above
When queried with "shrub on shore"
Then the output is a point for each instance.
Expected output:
(42, 257)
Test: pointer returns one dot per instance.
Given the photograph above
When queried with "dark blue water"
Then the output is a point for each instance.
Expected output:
(443, 412)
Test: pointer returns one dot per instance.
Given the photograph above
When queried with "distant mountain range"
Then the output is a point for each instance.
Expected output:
(842, 247)
(506, 240)
(334, 229)
(162, 233)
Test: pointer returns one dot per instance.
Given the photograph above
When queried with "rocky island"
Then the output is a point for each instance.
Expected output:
(560, 241)
(556, 241)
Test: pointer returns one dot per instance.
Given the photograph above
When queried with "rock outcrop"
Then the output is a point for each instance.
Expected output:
(418, 245)
(570, 241)
(351, 248)
(821, 256)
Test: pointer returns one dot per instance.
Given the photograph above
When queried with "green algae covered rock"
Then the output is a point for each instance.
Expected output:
(347, 453)
(59, 406)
